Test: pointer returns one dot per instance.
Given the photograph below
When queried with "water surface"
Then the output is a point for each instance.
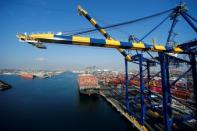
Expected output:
(55, 104)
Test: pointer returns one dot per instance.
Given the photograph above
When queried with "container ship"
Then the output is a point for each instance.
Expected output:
(88, 84)
(26, 75)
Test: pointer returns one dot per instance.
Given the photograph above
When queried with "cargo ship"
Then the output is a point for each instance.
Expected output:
(88, 84)
(26, 75)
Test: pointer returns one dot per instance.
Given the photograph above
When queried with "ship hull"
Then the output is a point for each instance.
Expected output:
(88, 92)
(27, 76)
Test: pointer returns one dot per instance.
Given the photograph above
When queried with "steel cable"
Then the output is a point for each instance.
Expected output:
(122, 24)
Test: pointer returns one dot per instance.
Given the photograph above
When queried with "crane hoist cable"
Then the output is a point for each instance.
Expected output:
(117, 29)
(76, 30)
(123, 23)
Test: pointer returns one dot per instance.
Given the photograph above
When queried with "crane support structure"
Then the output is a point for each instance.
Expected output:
(102, 31)
(86, 41)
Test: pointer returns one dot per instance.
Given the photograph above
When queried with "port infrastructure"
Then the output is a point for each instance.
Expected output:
(166, 55)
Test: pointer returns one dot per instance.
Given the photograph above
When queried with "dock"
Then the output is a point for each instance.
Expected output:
(120, 109)
(154, 120)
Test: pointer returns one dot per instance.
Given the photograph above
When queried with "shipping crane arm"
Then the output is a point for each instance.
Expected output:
(39, 39)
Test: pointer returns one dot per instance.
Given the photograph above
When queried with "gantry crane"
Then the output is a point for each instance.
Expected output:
(163, 50)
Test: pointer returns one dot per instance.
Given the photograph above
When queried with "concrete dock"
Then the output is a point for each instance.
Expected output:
(120, 108)
(153, 122)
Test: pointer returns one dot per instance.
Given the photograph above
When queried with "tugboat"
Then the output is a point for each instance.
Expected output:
(88, 84)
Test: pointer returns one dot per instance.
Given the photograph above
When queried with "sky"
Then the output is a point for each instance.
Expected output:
(33, 16)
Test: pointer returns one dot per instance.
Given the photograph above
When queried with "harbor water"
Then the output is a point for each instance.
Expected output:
(55, 104)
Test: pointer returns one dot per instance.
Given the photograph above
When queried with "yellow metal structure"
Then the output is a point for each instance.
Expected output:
(86, 41)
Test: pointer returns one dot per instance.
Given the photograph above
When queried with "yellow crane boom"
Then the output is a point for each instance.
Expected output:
(39, 39)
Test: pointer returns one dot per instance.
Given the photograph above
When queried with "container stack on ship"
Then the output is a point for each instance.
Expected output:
(88, 84)
(26, 75)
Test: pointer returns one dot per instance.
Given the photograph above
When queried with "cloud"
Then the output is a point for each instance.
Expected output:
(40, 59)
